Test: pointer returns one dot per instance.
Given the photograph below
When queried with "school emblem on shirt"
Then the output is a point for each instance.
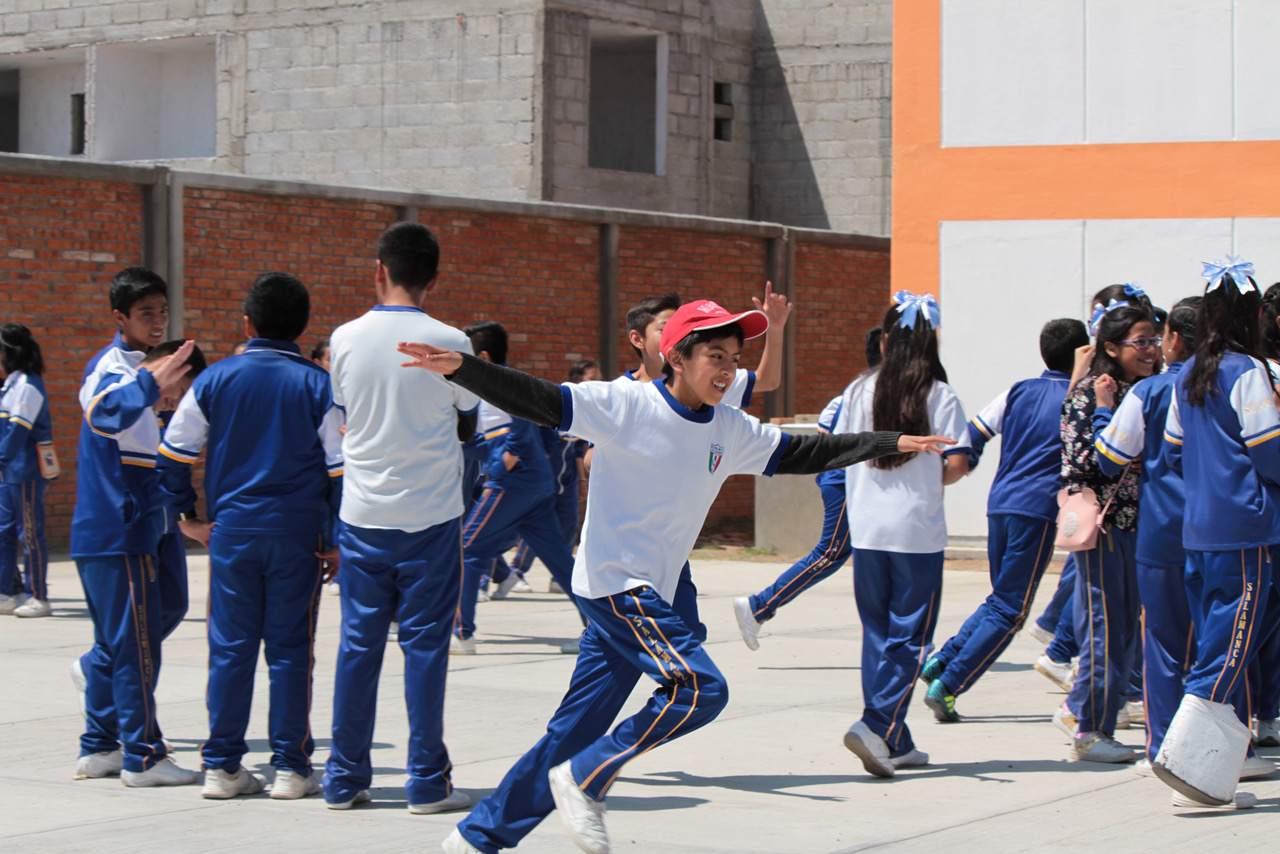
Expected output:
(713, 461)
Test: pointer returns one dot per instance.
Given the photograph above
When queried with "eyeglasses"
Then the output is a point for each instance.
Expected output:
(1143, 343)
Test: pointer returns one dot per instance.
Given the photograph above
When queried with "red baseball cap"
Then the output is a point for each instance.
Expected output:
(705, 314)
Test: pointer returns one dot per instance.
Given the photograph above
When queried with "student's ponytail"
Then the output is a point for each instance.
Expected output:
(904, 380)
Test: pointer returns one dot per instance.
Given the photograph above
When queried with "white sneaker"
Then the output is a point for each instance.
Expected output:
(1143, 768)
(482, 596)
(289, 785)
(583, 818)
(360, 797)
(522, 586)
(1241, 801)
(166, 772)
(505, 587)
(9, 604)
(456, 801)
(914, 758)
(1122, 718)
(747, 622)
(1256, 766)
(1268, 734)
(332, 589)
(870, 748)
(95, 765)
(79, 680)
(461, 646)
(458, 844)
(1060, 673)
(1137, 712)
(1065, 720)
(393, 632)
(1040, 633)
(1100, 747)
(573, 647)
(554, 587)
(220, 785)
(33, 608)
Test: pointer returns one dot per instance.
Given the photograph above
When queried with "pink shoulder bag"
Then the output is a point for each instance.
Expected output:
(1080, 520)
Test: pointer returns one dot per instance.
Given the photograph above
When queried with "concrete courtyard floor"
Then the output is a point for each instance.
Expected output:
(769, 776)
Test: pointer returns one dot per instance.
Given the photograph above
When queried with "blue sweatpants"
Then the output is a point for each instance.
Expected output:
(172, 565)
(828, 555)
(264, 592)
(123, 598)
(22, 525)
(897, 597)
(415, 579)
(1264, 672)
(1018, 550)
(1106, 616)
(1228, 593)
(628, 635)
(566, 507)
(1062, 597)
(1168, 646)
(497, 516)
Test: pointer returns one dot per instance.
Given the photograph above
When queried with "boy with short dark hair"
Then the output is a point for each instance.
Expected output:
(273, 478)
(1021, 514)
(114, 532)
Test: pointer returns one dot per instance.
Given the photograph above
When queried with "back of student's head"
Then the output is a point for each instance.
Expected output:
(871, 345)
(905, 377)
(579, 369)
(1160, 317)
(410, 254)
(196, 360)
(640, 315)
(319, 351)
(1228, 320)
(1270, 321)
(489, 336)
(132, 284)
(19, 350)
(1059, 340)
(278, 306)
(1184, 319)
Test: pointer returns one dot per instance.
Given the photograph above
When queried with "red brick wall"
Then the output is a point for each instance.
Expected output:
(61, 241)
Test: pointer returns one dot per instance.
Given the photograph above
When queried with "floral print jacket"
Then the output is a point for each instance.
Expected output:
(1080, 463)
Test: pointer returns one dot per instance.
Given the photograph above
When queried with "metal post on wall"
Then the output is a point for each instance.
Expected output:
(608, 299)
(157, 231)
(779, 268)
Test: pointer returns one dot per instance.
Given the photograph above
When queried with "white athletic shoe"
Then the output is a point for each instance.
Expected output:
(360, 797)
(1137, 712)
(393, 632)
(166, 772)
(1100, 747)
(332, 589)
(456, 801)
(1143, 768)
(1060, 673)
(747, 622)
(1122, 718)
(1268, 734)
(521, 586)
(9, 604)
(1040, 633)
(461, 646)
(914, 758)
(1065, 720)
(220, 785)
(95, 765)
(33, 608)
(870, 748)
(482, 596)
(583, 818)
(290, 785)
(1256, 766)
(504, 588)
(456, 843)
(554, 587)
(1241, 801)
(82, 684)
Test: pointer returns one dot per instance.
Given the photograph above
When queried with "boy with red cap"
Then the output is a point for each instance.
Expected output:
(662, 451)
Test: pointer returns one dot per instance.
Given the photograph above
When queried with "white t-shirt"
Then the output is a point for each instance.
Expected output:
(403, 462)
(657, 466)
(900, 509)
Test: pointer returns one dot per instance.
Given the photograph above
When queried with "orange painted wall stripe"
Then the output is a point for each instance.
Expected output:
(932, 184)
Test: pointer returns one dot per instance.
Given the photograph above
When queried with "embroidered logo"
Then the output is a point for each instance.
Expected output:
(713, 461)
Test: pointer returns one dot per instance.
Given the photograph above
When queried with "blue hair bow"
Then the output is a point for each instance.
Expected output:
(1238, 270)
(1100, 311)
(1131, 289)
(910, 306)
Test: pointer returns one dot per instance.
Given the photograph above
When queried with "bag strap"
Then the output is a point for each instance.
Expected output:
(1115, 491)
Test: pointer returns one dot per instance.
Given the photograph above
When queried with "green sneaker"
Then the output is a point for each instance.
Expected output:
(932, 670)
(942, 702)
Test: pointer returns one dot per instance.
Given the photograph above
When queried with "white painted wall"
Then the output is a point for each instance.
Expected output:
(151, 103)
(1057, 72)
(44, 107)
(1001, 281)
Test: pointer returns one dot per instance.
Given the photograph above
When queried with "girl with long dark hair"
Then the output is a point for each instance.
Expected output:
(24, 425)
(897, 526)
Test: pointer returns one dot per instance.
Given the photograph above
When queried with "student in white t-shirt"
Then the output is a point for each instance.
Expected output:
(400, 523)
(897, 527)
(662, 451)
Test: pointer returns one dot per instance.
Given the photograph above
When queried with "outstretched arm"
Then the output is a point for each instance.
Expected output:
(512, 391)
(823, 451)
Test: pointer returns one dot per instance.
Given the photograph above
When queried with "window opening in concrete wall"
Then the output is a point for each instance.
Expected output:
(722, 99)
(155, 100)
(626, 112)
(35, 90)
(9, 110)
(77, 123)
